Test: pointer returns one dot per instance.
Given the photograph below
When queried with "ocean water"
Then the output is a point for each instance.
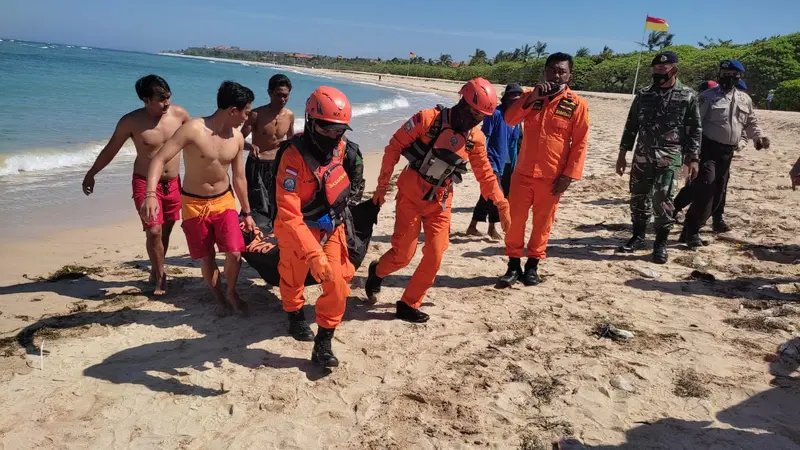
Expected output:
(59, 105)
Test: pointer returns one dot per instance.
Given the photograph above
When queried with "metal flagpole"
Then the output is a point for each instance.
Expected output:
(638, 64)
(408, 69)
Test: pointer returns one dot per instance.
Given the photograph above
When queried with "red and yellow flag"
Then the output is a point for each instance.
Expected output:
(339, 57)
(412, 54)
(656, 24)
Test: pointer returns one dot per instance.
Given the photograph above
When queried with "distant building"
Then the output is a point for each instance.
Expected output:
(300, 55)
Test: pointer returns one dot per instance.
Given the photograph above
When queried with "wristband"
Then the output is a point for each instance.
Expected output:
(245, 214)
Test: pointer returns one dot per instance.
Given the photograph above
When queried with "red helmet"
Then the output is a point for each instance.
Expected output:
(330, 105)
(480, 94)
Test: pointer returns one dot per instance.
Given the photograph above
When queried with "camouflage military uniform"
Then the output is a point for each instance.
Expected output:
(665, 124)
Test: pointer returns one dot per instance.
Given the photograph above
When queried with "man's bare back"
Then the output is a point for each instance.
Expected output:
(208, 156)
(269, 127)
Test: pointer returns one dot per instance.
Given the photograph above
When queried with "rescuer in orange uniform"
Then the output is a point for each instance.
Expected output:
(556, 122)
(311, 193)
(438, 143)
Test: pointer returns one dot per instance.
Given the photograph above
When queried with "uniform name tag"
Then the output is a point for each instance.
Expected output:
(538, 105)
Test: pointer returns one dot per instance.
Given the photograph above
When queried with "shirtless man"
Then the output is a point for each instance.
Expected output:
(270, 124)
(149, 127)
(210, 146)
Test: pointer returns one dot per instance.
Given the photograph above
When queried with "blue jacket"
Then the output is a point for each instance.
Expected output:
(502, 140)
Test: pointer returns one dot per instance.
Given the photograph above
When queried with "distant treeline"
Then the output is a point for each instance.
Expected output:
(772, 63)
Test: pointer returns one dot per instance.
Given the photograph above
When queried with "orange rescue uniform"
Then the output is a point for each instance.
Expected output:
(413, 213)
(553, 144)
(296, 187)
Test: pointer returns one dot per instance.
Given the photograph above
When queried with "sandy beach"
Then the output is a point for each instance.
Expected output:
(94, 363)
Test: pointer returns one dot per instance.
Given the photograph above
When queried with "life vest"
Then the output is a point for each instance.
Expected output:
(437, 161)
(326, 209)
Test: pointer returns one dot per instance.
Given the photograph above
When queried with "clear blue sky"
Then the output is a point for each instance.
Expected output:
(386, 28)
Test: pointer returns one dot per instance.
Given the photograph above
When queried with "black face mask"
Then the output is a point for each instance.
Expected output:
(728, 82)
(320, 146)
(661, 78)
(461, 119)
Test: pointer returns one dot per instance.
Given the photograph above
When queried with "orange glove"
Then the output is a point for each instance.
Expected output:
(321, 269)
(505, 214)
(379, 197)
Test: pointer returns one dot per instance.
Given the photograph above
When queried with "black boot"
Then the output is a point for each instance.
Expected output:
(513, 273)
(660, 247)
(323, 350)
(298, 327)
(694, 241)
(637, 240)
(720, 226)
(409, 314)
(682, 237)
(531, 275)
(373, 284)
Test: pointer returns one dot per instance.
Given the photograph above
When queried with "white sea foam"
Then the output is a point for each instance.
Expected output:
(53, 160)
(364, 109)
(383, 105)
(38, 161)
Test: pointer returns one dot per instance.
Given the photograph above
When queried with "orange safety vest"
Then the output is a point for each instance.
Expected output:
(437, 161)
(326, 209)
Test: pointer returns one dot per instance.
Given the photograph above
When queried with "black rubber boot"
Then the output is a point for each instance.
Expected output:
(637, 240)
(660, 247)
(298, 327)
(323, 350)
(373, 284)
(531, 275)
(721, 227)
(694, 241)
(512, 275)
(409, 314)
(682, 237)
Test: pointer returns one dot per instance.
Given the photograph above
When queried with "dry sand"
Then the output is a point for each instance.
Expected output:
(492, 369)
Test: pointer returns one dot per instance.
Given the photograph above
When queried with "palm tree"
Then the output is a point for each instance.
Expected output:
(478, 58)
(540, 49)
(500, 56)
(445, 59)
(525, 52)
(582, 52)
(657, 39)
(516, 55)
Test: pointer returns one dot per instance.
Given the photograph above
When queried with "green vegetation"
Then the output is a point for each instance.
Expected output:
(787, 96)
(772, 63)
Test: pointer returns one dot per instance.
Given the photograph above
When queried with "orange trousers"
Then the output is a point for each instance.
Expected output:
(411, 216)
(530, 193)
(293, 271)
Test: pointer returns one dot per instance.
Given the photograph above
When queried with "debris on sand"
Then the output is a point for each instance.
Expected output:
(688, 384)
(647, 273)
(606, 330)
(69, 272)
(702, 276)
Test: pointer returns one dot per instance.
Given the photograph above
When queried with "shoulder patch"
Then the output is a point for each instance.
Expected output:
(289, 184)
(292, 171)
(538, 105)
(409, 125)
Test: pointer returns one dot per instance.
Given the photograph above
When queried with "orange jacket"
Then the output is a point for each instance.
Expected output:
(554, 141)
(295, 187)
(411, 182)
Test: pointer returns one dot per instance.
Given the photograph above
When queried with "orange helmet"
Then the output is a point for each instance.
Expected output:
(480, 94)
(330, 105)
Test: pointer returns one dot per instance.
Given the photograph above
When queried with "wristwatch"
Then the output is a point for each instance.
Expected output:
(245, 214)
